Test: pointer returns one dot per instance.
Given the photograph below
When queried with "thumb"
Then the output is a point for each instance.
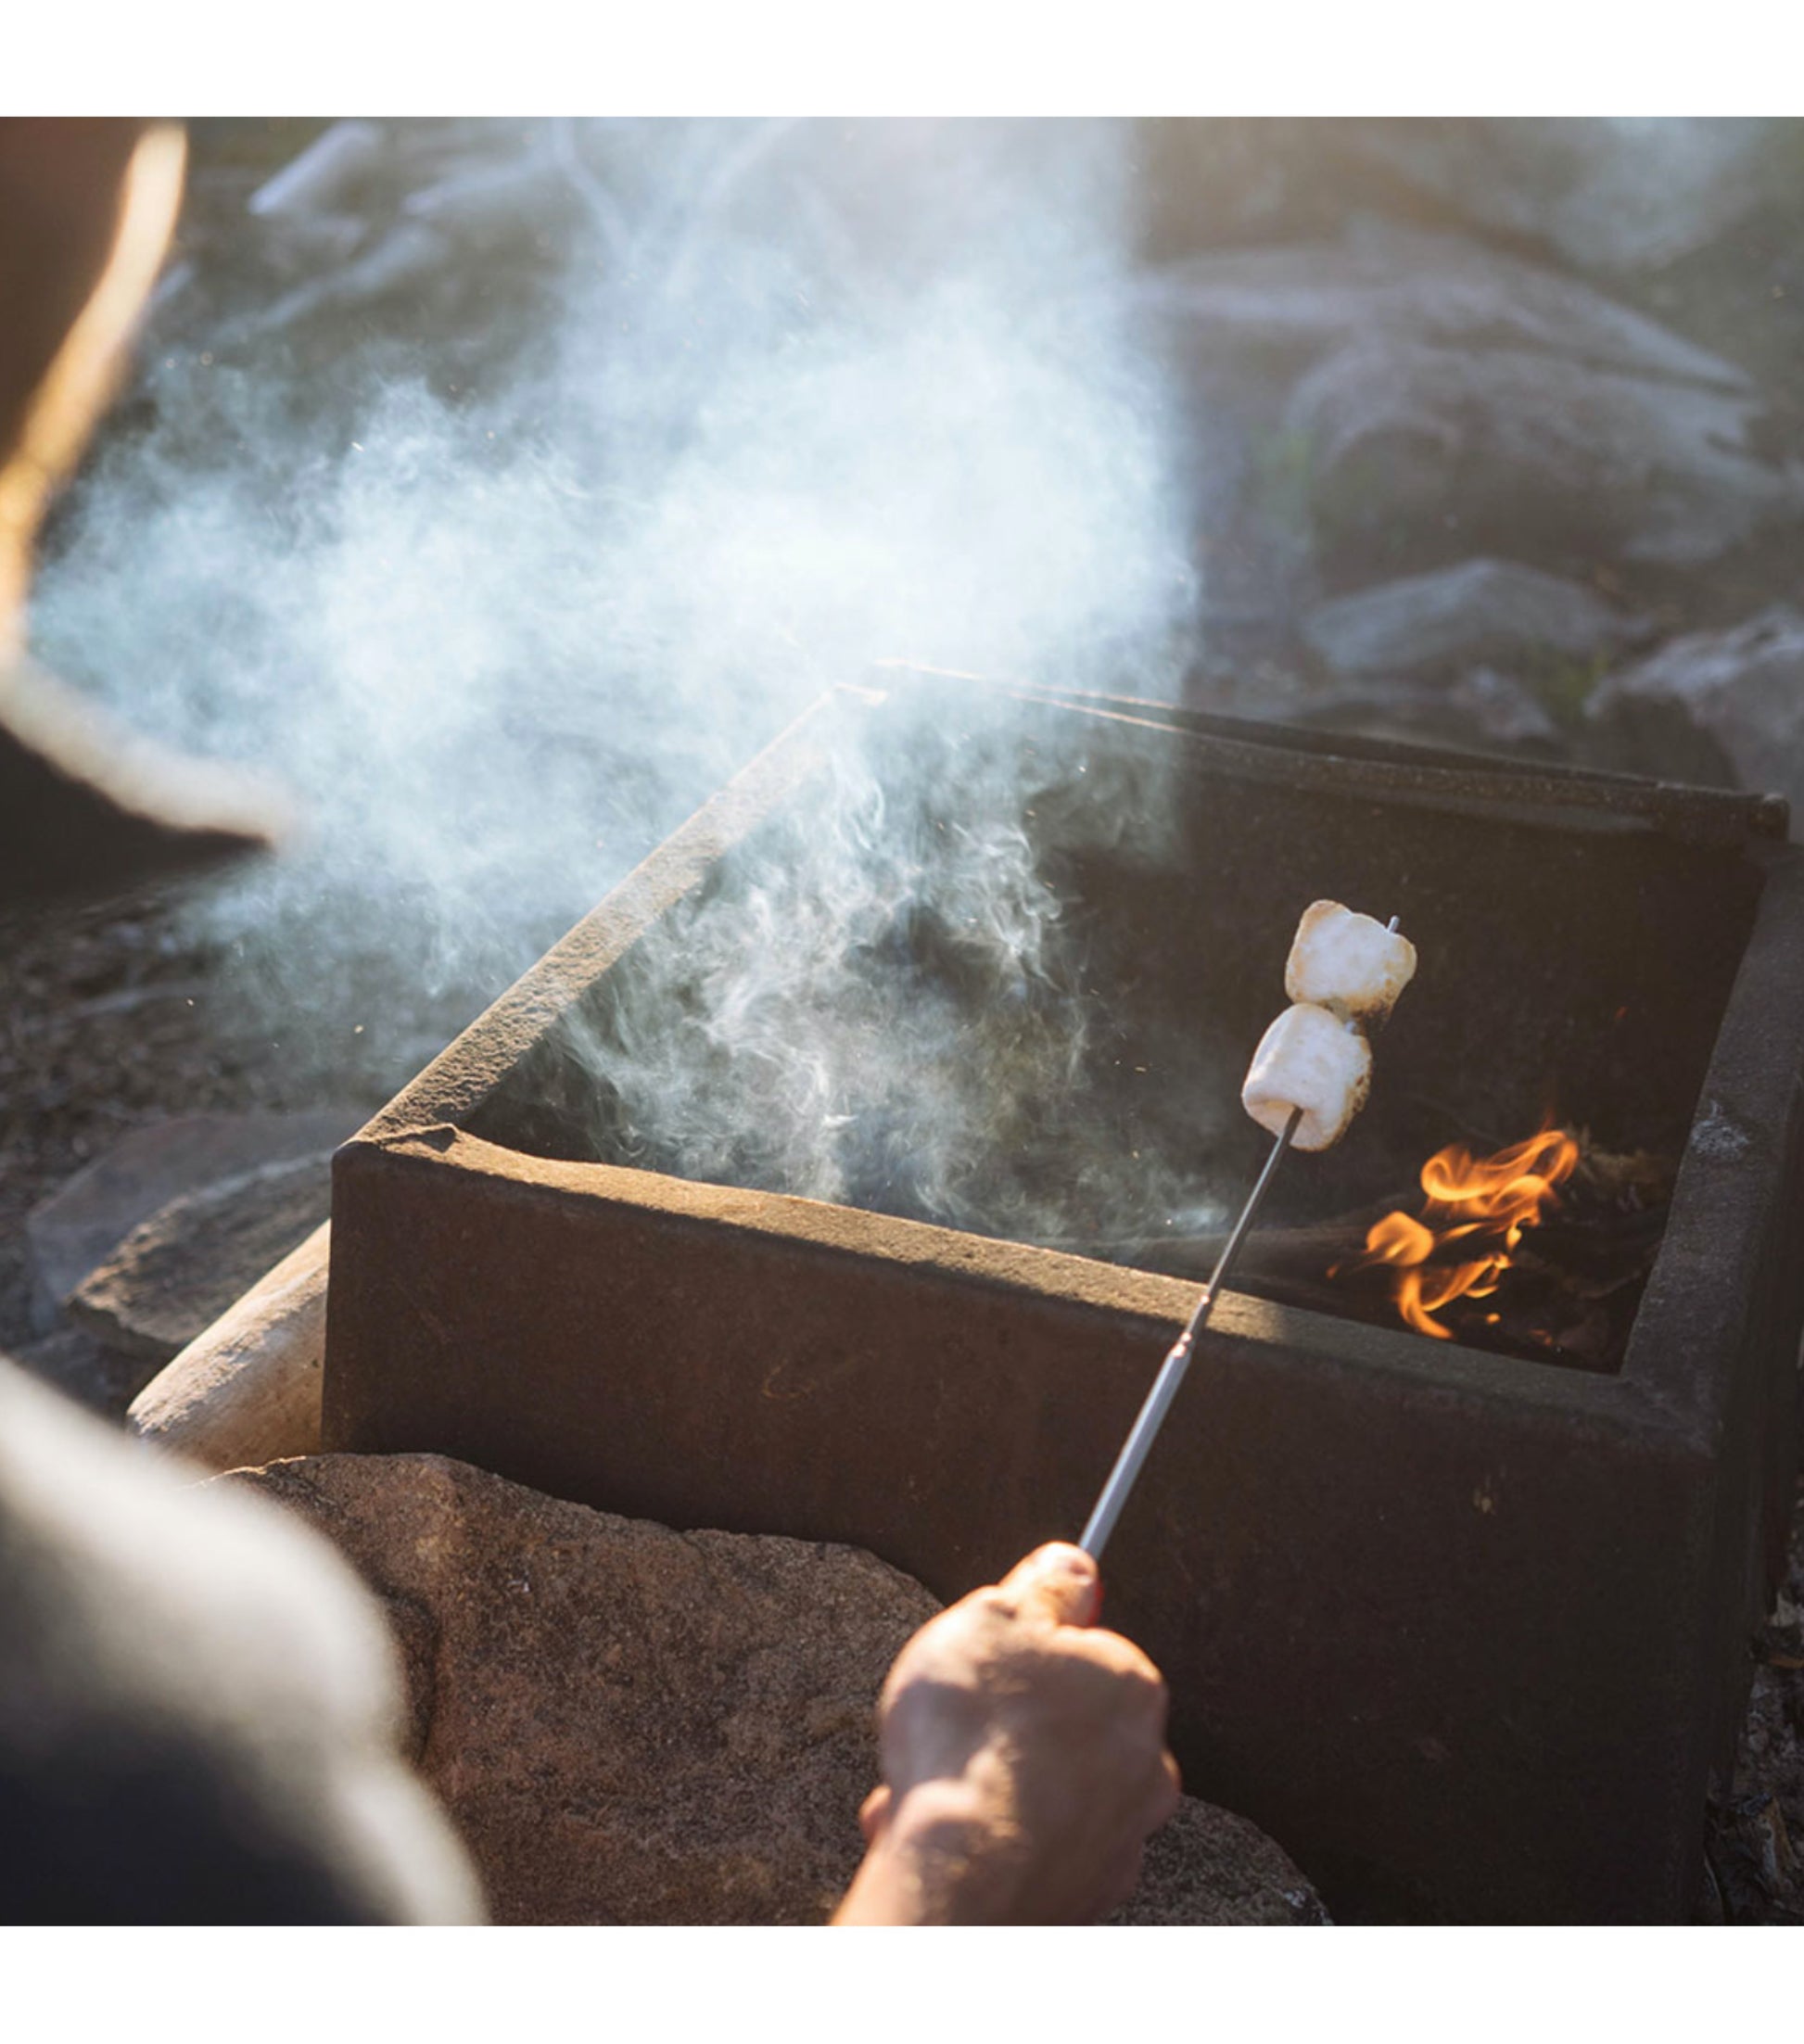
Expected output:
(874, 1813)
(1059, 1583)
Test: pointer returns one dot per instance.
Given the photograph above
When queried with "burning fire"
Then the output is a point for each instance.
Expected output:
(1478, 1208)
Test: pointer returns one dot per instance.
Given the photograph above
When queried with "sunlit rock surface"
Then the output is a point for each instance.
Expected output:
(631, 1725)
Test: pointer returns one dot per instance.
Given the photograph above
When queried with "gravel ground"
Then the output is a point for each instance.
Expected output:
(112, 1018)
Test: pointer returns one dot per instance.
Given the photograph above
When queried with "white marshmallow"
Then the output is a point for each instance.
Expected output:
(1313, 1059)
(1347, 962)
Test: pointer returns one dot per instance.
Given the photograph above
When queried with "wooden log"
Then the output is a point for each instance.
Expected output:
(247, 1392)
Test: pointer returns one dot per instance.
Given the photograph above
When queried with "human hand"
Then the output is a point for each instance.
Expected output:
(1024, 1760)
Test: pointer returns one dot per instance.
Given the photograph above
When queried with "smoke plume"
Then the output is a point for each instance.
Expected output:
(810, 395)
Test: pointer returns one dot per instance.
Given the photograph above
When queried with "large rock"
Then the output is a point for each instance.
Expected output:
(1613, 194)
(1715, 706)
(1481, 710)
(1281, 310)
(1481, 612)
(1208, 1866)
(72, 1232)
(1506, 408)
(631, 1725)
(176, 1272)
(1416, 455)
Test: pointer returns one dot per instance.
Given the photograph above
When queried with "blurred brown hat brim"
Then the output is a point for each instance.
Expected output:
(86, 211)
(88, 808)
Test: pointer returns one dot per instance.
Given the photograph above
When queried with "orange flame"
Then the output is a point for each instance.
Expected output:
(1478, 1208)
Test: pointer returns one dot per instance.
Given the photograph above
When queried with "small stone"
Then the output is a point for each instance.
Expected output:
(632, 1725)
(175, 1274)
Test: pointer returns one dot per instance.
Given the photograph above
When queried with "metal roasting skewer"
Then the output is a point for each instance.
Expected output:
(1170, 1380)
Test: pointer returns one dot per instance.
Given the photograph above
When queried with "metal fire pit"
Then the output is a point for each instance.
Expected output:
(1468, 1633)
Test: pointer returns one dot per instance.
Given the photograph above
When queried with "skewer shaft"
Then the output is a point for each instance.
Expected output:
(1166, 1384)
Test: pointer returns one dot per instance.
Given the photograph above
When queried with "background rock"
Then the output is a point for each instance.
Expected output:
(72, 1231)
(173, 1276)
(1481, 710)
(1613, 194)
(1724, 706)
(1283, 308)
(1418, 455)
(635, 1725)
(1480, 612)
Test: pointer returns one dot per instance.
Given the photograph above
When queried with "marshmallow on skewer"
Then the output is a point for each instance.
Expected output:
(1315, 1060)
(1347, 962)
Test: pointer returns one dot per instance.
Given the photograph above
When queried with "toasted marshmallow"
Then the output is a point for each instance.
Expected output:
(1315, 1060)
(1347, 962)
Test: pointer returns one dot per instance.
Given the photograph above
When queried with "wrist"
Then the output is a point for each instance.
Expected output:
(948, 1854)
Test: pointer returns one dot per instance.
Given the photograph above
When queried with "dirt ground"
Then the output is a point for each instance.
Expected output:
(112, 1017)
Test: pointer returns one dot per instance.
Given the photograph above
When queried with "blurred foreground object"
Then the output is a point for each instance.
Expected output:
(87, 807)
(200, 1710)
(86, 211)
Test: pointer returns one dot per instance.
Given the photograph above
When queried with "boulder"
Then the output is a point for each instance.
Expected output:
(632, 1725)
(1611, 195)
(1282, 310)
(1481, 612)
(1481, 710)
(73, 1231)
(1416, 455)
(176, 1272)
(1208, 1866)
(1716, 706)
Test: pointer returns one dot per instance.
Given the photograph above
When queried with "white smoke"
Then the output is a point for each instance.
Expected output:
(814, 395)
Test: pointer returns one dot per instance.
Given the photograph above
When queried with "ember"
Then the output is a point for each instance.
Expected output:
(1478, 1208)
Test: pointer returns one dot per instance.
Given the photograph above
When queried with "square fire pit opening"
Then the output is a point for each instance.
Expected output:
(981, 970)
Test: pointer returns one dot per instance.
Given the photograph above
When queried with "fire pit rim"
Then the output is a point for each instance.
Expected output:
(1653, 1383)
